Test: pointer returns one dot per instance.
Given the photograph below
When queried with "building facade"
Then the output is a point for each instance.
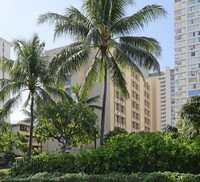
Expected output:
(187, 50)
(134, 114)
(4, 52)
(167, 99)
(24, 129)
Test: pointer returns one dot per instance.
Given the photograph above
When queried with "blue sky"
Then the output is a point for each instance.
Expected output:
(18, 20)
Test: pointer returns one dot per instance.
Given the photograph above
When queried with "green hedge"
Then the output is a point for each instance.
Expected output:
(113, 177)
(145, 152)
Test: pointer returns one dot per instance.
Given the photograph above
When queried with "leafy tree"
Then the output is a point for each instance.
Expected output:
(171, 130)
(66, 122)
(29, 72)
(9, 139)
(190, 117)
(102, 27)
(116, 131)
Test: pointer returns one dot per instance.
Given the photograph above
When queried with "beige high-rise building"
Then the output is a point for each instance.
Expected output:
(187, 50)
(4, 52)
(140, 112)
(167, 93)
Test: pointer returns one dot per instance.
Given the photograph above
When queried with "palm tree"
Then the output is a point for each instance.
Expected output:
(29, 72)
(78, 97)
(102, 26)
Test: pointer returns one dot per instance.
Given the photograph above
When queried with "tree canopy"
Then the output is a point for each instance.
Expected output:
(67, 122)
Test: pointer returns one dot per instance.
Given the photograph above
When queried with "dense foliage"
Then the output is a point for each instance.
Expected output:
(67, 122)
(10, 139)
(190, 117)
(145, 152)
(114, 132)
(113, 177)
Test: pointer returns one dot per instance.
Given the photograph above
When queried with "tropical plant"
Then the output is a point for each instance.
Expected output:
(29, 72)
(190, 117)
(114, 132)
(171, 130)
(10, 139)
(78, 97)
(104, 33)
(67, 122)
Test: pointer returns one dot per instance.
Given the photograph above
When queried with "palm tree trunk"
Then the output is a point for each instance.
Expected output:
(31, 130)
(104, 100)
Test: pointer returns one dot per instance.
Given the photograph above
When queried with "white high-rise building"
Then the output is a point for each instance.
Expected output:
(4, 52)
(167, 96)
(187, 50)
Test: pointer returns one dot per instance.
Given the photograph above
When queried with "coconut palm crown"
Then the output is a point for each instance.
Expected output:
(102, 25)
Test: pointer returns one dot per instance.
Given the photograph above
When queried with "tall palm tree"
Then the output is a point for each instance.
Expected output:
(102, 26)
(29, 72)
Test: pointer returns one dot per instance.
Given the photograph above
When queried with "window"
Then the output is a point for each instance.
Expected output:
(194, 92)
(137, 116)
(133, 84)
(116, 119)
(122, 121)
(24, 128)
(122, 109)
(192, 54)
(134, 125)
(69, 81)
(133, 114)
(133, 104)
(136, 86)
(117, 94)
(68, 91)
(190, 80)
(117, 107)
(133, 94)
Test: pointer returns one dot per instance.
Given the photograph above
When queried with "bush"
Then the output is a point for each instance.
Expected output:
(144, 152)
(113, 177)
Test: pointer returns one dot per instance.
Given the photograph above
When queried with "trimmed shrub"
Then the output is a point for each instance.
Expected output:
(113, 177)
(144, 152)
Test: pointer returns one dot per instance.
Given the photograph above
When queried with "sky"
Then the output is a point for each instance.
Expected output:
(18, 20)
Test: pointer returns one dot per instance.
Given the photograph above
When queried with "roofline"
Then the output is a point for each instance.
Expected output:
(20, 123)
(6, 41)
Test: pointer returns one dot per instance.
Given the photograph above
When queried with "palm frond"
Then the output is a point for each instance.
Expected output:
(91, 77)
(51, 18)
(6, 64)
(148, 44)
(117, 77)
(11, 88)
(93, 107)
(42, 96)
(27, 100)
(58, 93)
(92, 99)
(93, 11)
(9, 105)
(138, 20)
(70, 59)
(140, 57)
